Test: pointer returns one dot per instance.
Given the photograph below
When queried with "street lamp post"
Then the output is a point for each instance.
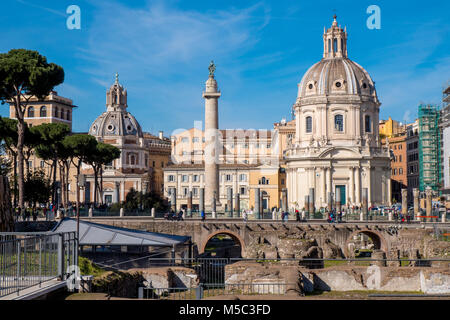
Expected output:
(81, 184)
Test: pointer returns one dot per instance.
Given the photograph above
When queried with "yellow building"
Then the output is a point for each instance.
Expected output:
(389, 128)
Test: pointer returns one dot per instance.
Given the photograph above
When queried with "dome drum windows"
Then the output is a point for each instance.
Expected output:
(339, 123)
(367, 124)
(308, 124)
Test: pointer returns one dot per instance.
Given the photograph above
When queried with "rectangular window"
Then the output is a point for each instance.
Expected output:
(42, 163)
(367, 124)
(228, 177)
(185, 139)
(184, 178)
(339, 122)
(308, 124)
(195, 178)
(242, 190)
(195, 192)
(242, 177)
(195, 139)
(171, 178)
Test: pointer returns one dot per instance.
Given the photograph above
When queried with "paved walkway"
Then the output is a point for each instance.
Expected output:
(35, 291)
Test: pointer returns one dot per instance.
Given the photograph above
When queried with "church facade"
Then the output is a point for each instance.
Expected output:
(336, 148)
(142, 156)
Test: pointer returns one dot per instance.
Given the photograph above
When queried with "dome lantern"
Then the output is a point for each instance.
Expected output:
(116, 96)
(334, 41)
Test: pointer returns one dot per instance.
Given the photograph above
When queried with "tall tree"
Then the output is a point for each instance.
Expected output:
(104, 154)
(8, 128)
(24, 74)
(50, 147)
(83, 147)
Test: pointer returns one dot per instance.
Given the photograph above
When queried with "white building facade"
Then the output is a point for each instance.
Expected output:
(337, 148)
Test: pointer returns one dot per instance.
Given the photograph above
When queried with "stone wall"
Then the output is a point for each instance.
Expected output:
(169, 277)
(300, 280)
(276, 239)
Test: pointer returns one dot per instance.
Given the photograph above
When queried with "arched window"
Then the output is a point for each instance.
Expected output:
(339, 122)
(132, 160)
(62, 114)
(56, 112)
(308, 124)
(334, 45)
(43, 112)
(263, 180)
(329, 45)
(342, 45)
(68, 115)
(30, 112)
(367, 124)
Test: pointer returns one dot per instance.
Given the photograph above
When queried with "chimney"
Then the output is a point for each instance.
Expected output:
(161, 135)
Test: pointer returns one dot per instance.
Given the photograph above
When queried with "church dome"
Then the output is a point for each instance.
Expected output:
(116, 121)
(335, 74)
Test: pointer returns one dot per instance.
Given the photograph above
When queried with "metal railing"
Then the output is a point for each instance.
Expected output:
(212, 290)
(212, 280)
(27, 260)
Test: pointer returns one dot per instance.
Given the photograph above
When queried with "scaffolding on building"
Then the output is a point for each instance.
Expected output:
(429, 147)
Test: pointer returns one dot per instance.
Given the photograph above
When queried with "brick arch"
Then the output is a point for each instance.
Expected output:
(379, 241)
(236, 237)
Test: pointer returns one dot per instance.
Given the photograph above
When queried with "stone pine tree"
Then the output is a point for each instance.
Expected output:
(51, 136)
(83, 146)
(104, 154)
(24, 74)
(6, 213)
(8, 136)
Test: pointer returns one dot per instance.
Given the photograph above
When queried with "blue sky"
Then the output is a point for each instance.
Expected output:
(162, 49)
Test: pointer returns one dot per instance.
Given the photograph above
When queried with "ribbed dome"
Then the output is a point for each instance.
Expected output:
(336, 76)
(116, 123)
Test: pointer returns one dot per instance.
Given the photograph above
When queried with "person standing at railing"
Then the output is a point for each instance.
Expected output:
(202, 214)
(297, 215)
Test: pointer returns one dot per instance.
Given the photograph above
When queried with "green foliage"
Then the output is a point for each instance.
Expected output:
(115, 206)
(37, 187)
(88, 268)
(105, 153)
(83, 146)
(28, 72)
(50, 137)
(136, 200)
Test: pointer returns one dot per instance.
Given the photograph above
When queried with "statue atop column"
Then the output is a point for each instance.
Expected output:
(212, 68)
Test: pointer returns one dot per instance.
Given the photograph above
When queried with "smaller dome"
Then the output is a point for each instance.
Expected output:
(116, 123)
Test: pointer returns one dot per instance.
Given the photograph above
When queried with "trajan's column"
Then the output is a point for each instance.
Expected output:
(212, 142)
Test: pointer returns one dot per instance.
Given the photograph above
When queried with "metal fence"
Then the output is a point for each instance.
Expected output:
(27, 260)
(211, 279)
(202, 291)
